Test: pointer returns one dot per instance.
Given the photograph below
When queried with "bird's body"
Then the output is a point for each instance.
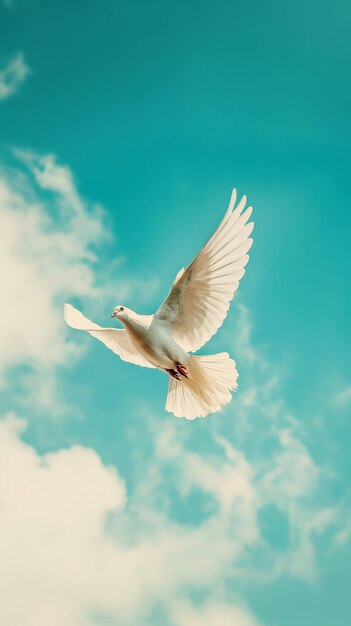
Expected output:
(153, 341)
(193, 311)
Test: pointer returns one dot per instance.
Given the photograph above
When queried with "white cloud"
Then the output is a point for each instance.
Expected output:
(52, 513)
(46, 248)
(49, 236)
(64, 564)
(227, 477)
(291, 472)
(13, 75)
(52, 176)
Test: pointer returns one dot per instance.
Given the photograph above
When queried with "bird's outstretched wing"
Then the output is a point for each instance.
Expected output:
(115, 339)
(199, 299)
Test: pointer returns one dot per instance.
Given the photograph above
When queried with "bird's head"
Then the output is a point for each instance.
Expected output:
(121, 312)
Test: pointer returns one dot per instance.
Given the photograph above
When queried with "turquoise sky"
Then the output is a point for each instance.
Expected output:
(123, 128)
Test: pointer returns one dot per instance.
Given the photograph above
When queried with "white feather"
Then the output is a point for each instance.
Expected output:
(211, 378)
(116, 339)
(193, 311)
(199, 299)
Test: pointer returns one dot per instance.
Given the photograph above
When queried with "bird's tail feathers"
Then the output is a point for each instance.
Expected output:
(211, 378)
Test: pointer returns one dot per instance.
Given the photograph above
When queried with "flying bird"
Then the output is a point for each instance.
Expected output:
(191, 314)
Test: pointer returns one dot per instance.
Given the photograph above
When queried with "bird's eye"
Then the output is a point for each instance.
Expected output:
(121, 308)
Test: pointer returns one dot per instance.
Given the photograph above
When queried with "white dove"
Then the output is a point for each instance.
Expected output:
(191, 314)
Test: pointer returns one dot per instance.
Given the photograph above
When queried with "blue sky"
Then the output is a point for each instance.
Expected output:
(124, 127)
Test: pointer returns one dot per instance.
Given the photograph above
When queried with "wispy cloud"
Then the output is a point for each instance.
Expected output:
(13, 75)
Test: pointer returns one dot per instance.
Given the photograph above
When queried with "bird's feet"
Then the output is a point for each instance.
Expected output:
(173, 374)
(182, 370)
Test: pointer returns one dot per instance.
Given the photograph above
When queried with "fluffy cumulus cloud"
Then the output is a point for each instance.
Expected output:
(12, 75)
(52, 513)
(70, 566)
